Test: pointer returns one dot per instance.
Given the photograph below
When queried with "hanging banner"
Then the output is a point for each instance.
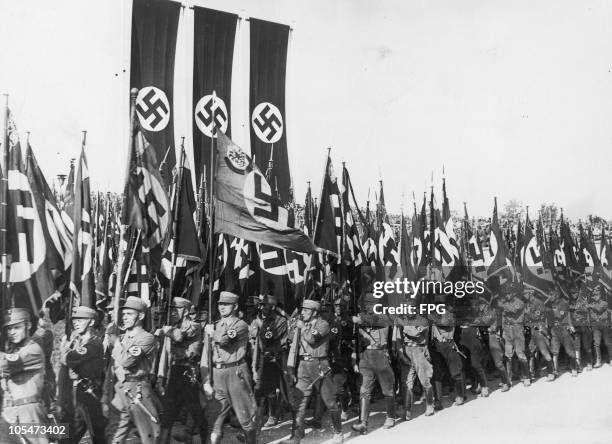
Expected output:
(154, 30)
(267, 102)
(213, 54)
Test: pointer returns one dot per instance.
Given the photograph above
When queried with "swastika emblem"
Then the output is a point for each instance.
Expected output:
(153, 108)
(204, 111)
(267, 122)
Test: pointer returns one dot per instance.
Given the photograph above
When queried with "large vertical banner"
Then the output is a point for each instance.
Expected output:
(213, 54)
(268, 67)
(154, 31)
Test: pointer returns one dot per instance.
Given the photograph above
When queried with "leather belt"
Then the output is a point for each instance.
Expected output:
(220, 365)
(136, 378)
(313, 358)
(22, 401)
(375, 347)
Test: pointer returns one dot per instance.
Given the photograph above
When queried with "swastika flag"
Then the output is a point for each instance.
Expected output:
(245, 205)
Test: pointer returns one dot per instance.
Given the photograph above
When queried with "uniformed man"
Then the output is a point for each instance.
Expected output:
(22, 373)
(83, 355)
(443, 337)
(268, 334)
(600, 321)
(310, 369)
(583, 337)
(182, 387)
(415, 361)
(513, 329)
(472, 340)
(43, 336)
(225, 346)
(489, 317)
(374, 365)
(562, 331)
(133, 356)
(340, 350)
(537, 313)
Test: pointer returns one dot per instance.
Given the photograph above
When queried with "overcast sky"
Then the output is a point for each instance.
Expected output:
(513, 98)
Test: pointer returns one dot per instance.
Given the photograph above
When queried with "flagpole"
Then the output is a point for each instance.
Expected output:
(211, 209)
(175, 216)
(124, 227)
(5, 288)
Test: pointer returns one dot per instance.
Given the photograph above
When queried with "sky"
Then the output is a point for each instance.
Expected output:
(512, 99)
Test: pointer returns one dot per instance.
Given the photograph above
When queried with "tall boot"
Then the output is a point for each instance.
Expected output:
(315, 422)
(390, 421)
(437, 388)
(525, 373)
(509, 370)
(272, 412)
(556, 365)
(429, 399)
(337, 426)
(574, 365)
(460, 391)
(597, 356)
(362, 425)
(164, 436)
(408, 404)
(578, 362)
(250, 437)
(551, 371)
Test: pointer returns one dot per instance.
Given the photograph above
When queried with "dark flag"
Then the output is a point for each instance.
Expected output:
(26, 247)
(187, 245)
(406, 253)
(154, 31)
(498, 249)
(370, 250)
(558, 255)
(605, 255)
(353, 253)
(213, 54)
(570, 250)
(589, 257)
(82, 272)
(419, 243)
(475, 253)
(328, 224)
(246, 207)
(309, 213)
(147, 207)
(268, 65)
(518, 247)
(388, 255)
(58, 238)
(535, 274)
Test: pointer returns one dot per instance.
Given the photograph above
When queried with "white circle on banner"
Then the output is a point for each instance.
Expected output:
(267, 122)
(153, 108)
(203, 115)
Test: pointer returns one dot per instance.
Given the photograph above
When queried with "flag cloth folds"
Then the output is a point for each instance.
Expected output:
(268, 66)
(328, 224)
(82, 272)
(154, 32)
(245, 205)
(500, 264)
(147, 205)
(535, 274)
(26, 247)
(213, 54)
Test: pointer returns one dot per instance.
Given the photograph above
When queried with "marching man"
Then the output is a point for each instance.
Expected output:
(225, 346)
(133, 357)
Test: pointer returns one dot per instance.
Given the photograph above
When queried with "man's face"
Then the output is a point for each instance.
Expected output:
(176, 314)
(306, 314)
(17, 332)
(81, 325)
(129, 317)
(338, 309)
(266, 309)
(225, 309)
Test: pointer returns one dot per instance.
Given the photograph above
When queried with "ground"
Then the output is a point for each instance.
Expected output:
(567, 411)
